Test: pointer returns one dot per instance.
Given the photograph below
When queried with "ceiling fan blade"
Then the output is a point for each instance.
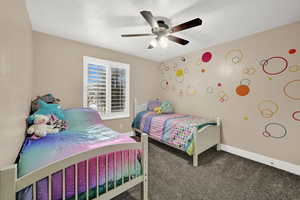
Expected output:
(178, 40)
(187, 25)
(149, 18)
(137, 35)
(150, 46)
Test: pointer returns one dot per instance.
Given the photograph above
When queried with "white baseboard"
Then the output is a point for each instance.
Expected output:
(289, 167)
(131, 133)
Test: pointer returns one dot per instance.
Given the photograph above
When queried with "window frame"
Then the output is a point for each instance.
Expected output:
(109, 65)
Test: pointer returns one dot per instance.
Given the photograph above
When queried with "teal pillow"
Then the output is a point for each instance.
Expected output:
(166, 107)
(47, 109)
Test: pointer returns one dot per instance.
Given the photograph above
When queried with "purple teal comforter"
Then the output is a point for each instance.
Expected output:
(85, 132)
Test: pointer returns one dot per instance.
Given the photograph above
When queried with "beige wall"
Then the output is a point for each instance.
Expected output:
(243, 123)
(16, 68)
(59, 70)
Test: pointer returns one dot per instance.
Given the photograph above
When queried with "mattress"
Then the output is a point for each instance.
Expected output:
(85, 132)
(175, 129)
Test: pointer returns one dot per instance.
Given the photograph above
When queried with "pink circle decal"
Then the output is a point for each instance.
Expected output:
(292, 51)
(206, 57)
(295, 117)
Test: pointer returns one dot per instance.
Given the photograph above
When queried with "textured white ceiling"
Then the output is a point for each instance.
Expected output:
(101, 22)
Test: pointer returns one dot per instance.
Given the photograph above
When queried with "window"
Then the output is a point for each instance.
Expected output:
(106, 87)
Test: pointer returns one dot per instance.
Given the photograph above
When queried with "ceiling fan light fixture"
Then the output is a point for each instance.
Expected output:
(153, 42)
(163, 41)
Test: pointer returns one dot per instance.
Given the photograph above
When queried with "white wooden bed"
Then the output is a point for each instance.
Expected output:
(10, 184)
(208, 136)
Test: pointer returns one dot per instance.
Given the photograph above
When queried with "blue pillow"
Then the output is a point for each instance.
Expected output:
(166, 107)
(47, 109)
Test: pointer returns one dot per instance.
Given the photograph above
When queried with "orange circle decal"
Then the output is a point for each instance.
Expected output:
(242, 90)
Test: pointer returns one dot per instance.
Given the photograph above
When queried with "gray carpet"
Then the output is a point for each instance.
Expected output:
(220, 176)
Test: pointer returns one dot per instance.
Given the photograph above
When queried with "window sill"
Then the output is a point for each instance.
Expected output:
(115, 117)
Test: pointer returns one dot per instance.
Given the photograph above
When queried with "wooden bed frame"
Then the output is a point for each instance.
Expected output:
(10, 184)
(208, 136)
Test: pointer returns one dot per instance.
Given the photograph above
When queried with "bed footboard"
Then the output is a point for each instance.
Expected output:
(10, 185)
(206, 138)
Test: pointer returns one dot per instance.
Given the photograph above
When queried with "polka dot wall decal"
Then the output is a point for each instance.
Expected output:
(175, 67)
(210, 90)
(219, 84)
(246, 118)
(270, 78)
(164, 84)
(180, 79)
(190, 91)
(234, 56)
(245, 81)
(223, 97)
(186, 70)
(291, 89)
(249, 71)
(269, 66)
(294, 68)
(292, 51)
(179, 72)
(296, 116)
(206, 57)
(275, 130)
(268, 108)
(263, 62)
(242, 90)
(203, 70)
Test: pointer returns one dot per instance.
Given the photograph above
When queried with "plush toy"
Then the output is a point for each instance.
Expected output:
(157, 110)
(40, 127)
(48, 98)
(57, 123)
(46, 109)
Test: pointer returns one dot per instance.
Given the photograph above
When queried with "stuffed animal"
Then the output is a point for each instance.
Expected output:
(157, 110)
(46, 109)
(57, 123)
(40, 127)
(48, 98)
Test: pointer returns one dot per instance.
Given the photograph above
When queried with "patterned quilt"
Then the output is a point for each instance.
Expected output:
(175, 129)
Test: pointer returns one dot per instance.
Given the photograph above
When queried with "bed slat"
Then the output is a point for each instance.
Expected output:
(87, 179)
(50, 187)
(64, 183)
(34, 191)
(106, 172)
(97, 176)
(76, 182)
(115, 169)
(129, 165)
(122, 166)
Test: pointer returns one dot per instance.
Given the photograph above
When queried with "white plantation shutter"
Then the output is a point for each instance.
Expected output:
(118, 90)
(106, 87)
(96, 87)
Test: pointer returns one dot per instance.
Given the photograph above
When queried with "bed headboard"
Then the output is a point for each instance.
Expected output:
(139, 107)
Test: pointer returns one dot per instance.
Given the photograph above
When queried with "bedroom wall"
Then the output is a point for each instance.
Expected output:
(59, 70)
(257, 96)
(16, 68)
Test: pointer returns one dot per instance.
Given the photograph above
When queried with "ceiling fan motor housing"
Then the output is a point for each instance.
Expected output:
(164, 26)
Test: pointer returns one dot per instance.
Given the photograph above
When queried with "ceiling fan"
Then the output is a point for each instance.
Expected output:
(162, 29)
